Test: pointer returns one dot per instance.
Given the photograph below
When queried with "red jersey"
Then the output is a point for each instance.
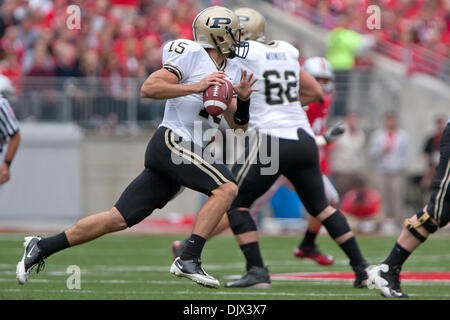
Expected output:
(317, 113)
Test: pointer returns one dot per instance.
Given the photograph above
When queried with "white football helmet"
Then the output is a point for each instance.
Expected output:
(320, 68)
(253, 24)
(219, 28)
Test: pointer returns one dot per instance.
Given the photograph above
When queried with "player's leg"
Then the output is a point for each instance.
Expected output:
(224, 224)
(146, 192)
(252, 185)
(183, 161)
(304, 173)
(179, 245)
(255, 207)
(308, 247)
(218, 203)
(416, 230)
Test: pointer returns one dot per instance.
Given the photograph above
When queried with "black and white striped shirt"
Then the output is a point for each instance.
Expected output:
(8, 122)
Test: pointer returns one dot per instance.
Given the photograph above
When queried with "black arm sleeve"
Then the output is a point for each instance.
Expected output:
(242, 114)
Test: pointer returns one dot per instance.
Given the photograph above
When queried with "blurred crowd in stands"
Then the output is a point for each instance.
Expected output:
(117, 38)
(416, 32)
(122, 38)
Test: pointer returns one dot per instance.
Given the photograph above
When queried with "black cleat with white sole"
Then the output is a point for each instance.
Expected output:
(387, 279)
(31, 258)
(256, 277)
(192, 269)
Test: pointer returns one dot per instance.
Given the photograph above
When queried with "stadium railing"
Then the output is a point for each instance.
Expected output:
(89, 102)
(95, 103)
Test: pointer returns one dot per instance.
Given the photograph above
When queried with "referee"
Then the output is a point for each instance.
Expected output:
(9, 131)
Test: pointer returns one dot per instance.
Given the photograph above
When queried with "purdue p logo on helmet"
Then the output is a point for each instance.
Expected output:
(218, 21)
(217, 28)
(253, 24)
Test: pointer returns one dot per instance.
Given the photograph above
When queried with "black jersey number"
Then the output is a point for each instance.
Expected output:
(204, 114)
(280, 92)
(179, 47)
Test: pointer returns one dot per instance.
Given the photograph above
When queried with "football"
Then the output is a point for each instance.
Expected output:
(216, 99)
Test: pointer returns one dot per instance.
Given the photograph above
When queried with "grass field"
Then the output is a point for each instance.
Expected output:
(137, 267)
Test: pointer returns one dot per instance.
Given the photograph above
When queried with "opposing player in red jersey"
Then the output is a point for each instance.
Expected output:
(317, 112)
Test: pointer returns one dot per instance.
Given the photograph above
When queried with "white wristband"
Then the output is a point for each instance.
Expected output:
(320, 141)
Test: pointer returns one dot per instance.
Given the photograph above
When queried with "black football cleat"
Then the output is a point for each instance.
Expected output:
(192, 269)
(177, 248)
(32, 257)
(256, 277)
(361, 276)
(386, 279)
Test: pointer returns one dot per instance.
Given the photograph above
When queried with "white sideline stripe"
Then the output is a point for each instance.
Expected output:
(100, 281)
(7, 269)
(246, 293)
(15, 280)
(339, 282)
(282, 282)
(188, 292)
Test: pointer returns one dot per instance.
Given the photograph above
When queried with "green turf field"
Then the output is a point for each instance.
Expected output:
(137, 267)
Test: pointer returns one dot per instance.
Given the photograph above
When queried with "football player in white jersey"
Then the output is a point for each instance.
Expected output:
(174, 155)
(276, 112)
(253, 24)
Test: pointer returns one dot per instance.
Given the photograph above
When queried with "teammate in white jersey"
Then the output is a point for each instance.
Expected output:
(174, 155)
(276, 112)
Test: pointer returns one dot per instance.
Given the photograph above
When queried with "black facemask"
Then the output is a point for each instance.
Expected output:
(241, 47)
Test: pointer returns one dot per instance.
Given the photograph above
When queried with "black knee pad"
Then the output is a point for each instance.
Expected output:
(423, 220)
(241, 221)
(336, 225)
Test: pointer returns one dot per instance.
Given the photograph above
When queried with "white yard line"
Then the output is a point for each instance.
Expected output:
(189, 292)
(275, 282)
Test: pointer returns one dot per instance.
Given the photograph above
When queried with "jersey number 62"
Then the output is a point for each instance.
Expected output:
(281, 93)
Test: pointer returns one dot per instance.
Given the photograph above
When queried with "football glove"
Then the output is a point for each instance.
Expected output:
(334, 133)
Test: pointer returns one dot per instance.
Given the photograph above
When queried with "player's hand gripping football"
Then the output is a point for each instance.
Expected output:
(244, 88)
(212, 79)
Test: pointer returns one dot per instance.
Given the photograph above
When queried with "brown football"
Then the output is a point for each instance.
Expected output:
(216, 99)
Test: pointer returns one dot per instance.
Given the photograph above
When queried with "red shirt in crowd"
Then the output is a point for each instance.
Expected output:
(361, 203)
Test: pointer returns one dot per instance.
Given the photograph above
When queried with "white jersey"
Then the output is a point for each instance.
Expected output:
(275, 109)
(8, 126)
(190, 62)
